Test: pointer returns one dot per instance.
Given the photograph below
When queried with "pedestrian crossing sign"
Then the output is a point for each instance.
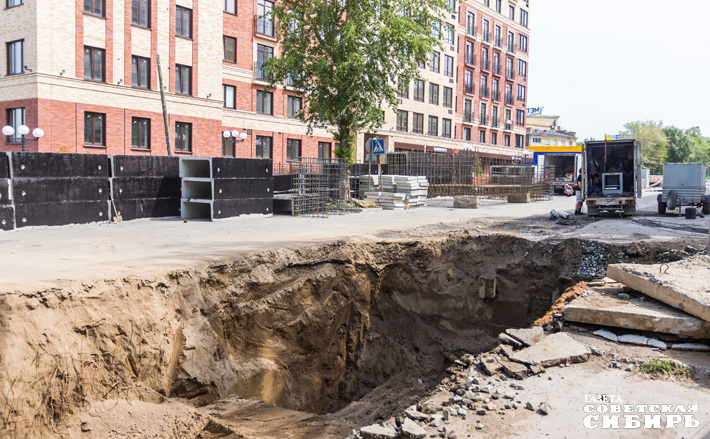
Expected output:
(378, 146)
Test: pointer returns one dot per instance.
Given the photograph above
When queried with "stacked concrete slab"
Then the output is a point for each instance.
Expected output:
(145, 186)
(7, 210)
(56, 189)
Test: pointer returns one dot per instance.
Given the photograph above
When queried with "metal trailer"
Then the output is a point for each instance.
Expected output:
(611, 176)
(683, 185)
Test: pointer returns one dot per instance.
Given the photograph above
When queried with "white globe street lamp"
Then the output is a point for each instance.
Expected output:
(236, 137)
(22, 131)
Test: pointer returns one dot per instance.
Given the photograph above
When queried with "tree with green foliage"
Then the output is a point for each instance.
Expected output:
(652, 138)
(680, 147)
(348, 57)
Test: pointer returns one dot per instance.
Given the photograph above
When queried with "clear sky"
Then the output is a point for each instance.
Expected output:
(602, 63)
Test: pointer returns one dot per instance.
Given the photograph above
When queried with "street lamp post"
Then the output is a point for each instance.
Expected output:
(236, 137)
(23, 130)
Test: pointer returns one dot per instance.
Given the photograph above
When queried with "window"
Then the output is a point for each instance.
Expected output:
(183, 25)
(547, 141)
(436, 29)
(449, 65)
(93, 7)
(264, 148)
(497, 36)
(509, 68)
(511, 42)
(522, 42)
(449, 35)
(183, 136)
(511, 12)
(467, 134)
(468, 82)
(15, 118)
(506, 140)
(483, 114)
(183, 79)
(554, 142)
(324, 150)
(230, 6)
(262, 54)
(519, 140)
(264, 100)
(141, 13)
(452, 4)
(470, 57)
(522, 68)
(433, 94)
(95, 129)
(486, 33)
(293, 106)
(16, 57)
(521, 93)
(403, 90)
(482, 136)
(448, 97)
(520, 117)
(229, 49)
(494, 117)
(471, 24)
(434, 62)
(230, 95)
(140, 133)
(265, 18)
(524, 18)
(499, 6)
(293, 150)
(494, 138)
(509, 94)
(446, 128)
(419, 90)
(228, 147)
(11, 3)
(537, 140)
(93, 63)
(418, 123)
(467, 110)
(484, 58)
(433, 126)
(496, 88)
(484, 86)
(487, 3)
(496, 63)
(140, 72)
(402, 120)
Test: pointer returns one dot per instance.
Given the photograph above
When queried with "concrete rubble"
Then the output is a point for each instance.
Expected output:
(553, 350)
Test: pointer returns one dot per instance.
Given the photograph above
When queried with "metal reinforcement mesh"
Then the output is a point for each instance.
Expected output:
(437, 168)
(319, 187)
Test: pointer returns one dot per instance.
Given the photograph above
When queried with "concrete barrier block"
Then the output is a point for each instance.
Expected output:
(519, 198)
(467, 202)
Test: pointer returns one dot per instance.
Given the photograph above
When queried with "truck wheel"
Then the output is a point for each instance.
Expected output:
(662, 208)
(706, 208)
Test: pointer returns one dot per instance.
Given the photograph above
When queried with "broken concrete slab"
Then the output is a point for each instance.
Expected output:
(603, 306)
(412, 430)
(683, 284)
(553, 350)
(515, 370)
(691, 347)
(527, 336)
(657, 344)
(508, 340)
(378, 431)
(467, 202)
(603, 333)
(519, 198)
(490, 365)
(633, 339)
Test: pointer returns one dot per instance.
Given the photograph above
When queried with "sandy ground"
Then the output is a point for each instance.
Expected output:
(39, 258)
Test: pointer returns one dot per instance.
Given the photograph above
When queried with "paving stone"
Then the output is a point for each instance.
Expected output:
(657, 344)
(553, 350)
(691, 347)
(633, 339)
(527, 336)
(378, 431)
(603, 333)
(412, 430)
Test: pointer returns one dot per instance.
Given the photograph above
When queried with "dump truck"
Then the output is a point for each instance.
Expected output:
(611, 176)
(684, 184)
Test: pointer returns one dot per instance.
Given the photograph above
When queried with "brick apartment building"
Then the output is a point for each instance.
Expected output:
(86, 73)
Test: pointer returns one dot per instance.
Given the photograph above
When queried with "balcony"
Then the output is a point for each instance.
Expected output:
(483, 120)
(484, 64)
(468, 88)
(264, 26)
(467, 116)
(494, 122)
(486, 37)
(471, 30)
(470, 59)
(497, 41)
(508, 99)
(484, 92)
(495, 95)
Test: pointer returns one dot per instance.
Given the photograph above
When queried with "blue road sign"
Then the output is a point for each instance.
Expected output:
(378, 146)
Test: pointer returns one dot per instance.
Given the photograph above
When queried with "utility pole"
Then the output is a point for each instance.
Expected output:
(165, 108)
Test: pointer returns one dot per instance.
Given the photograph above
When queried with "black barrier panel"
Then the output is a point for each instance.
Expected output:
(145, 166)
(147, 208)
(7, 217)
(234, 188)
(283, 182)
(146, 187)
(246, 206)
(44, 165)
(58, 214)
(4, 166)
(225, 167)
(5, 191)
(47, 190)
